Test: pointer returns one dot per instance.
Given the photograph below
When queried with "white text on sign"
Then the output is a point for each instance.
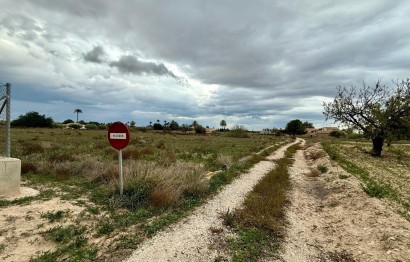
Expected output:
(118, 136)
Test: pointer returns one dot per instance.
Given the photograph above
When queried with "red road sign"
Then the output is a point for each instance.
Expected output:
(118, 135)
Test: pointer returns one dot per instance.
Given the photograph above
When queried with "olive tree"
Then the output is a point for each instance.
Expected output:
(378, 111)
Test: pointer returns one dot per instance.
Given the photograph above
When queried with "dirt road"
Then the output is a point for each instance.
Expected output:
(332, 219)
(192, 238)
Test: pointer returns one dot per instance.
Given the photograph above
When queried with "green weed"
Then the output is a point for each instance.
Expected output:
(105, 228)
(323, 169)
(52, 217)
(251, 243)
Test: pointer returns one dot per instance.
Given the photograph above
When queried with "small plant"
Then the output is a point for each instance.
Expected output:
(323, 169)
(105, 229)
(93, 210)
(52, 217)
(313, 173)
(343, 176)
(374, 190)
(315, 155)
(251, 244)
(63, 235)
(228, 219)
(2, 247)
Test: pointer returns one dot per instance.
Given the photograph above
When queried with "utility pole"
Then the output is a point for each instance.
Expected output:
(8, 96)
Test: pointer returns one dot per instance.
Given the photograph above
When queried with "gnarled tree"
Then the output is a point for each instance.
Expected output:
(380, 112)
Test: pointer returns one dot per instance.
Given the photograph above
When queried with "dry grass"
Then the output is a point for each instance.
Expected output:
(314, 155)
(313, 172)
(169, 182)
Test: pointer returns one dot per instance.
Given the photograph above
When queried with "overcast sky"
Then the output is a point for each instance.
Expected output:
(254, 63)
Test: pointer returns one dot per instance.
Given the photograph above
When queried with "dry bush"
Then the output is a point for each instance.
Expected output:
(133, 153)
(27, 167)
(161, 145)
(147, 151)
(224, 159)
(98, 171)
(32, 148)
(169, 182)
(314, 155)
(60, 158)
(130, 153)
(313, 173)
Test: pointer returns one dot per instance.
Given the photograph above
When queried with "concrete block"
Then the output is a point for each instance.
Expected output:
(10, 170)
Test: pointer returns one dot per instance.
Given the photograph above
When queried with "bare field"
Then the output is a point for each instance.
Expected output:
(79, 216)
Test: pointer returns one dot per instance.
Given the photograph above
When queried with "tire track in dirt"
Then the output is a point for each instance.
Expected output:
(191, 239)
(332, 219)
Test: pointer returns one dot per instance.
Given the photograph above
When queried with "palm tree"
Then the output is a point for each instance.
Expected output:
(78, 111)
(223, 124)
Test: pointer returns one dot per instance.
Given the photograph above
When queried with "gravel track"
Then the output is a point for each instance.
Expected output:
(191, 239)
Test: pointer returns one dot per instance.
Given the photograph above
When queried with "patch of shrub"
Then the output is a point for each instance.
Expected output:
(129, 153)
(161, 145)
(61, 158)
(32, 148)
(323, 169)
(313, 173)
(314, 155)
(65, 234)
(68, 121)
(374, 190)
(32, 119)
(91, 126)
(105, 228)
(58, 125)
(337, 134)
(238, 131)
(75, 126)
(27, 167)
(200, 129)
(53, 216)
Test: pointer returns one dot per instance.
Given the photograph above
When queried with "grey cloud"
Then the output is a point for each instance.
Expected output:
(95, 55)
(131, 64)
(263, 57)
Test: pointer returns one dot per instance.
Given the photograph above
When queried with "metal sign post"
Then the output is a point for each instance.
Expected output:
(120, 171)
(8, 119)
(119, 137)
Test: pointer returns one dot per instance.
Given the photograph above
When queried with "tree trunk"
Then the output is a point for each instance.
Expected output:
(377, 146)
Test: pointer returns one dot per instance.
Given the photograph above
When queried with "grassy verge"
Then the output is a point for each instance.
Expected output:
(260, 223)
(371, 186)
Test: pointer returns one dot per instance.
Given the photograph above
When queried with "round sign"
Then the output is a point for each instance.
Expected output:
(118, 135)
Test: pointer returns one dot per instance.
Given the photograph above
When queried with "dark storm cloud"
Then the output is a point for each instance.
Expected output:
(131, 64)
(95, 55)
(263, 58)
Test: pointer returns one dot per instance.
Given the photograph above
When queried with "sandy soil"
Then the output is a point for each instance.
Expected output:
(193, 238)
(332, 219)
(21, 228)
